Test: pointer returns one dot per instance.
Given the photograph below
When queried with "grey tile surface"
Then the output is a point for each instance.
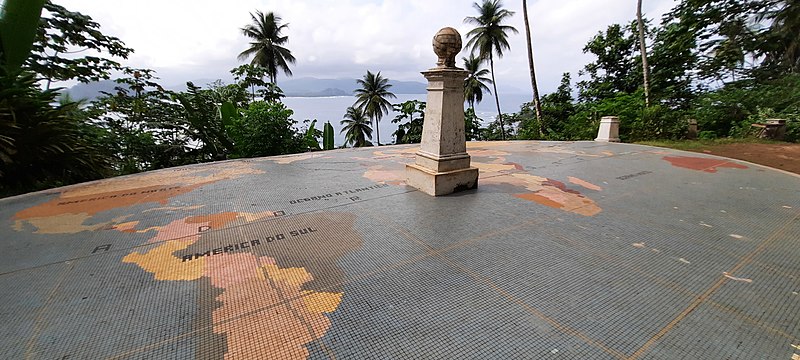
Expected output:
(566, 250)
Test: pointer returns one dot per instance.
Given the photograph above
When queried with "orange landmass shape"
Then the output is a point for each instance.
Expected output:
(538, 199)
(702, 164)
(72, 211)
(251, 286)
(544, 191)
(584, 183)
(95, 203)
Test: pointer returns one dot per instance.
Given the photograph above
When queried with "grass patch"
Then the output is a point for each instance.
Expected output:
(698, 144)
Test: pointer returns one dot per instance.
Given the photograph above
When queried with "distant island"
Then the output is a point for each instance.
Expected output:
(300, 87)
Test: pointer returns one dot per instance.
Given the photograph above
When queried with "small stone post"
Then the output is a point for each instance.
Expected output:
(609, 129)
(442, 165)
(691, 133)
(776, 129)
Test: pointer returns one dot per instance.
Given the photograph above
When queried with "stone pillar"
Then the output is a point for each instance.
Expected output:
(609, 129)
(691, 132)
(776, 129)
(442, 165)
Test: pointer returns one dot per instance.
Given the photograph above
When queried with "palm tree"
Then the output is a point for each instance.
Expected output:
(475, 83)
(356, 128)
(266, 47)
(490, 37)
(536, 104)
(643, 50)
(371, 98)
(782, 34)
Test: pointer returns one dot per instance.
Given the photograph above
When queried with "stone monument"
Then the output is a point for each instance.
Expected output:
(442, 165)
(609, 129)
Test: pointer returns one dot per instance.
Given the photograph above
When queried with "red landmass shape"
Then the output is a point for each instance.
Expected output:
(702, 164)
(95, 203)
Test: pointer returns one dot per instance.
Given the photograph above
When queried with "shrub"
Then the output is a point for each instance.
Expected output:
(266, 129)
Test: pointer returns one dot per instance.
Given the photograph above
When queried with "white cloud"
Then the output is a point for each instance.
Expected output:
(200, 39)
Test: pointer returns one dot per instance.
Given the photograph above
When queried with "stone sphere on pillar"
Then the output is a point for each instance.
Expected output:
(446, 45)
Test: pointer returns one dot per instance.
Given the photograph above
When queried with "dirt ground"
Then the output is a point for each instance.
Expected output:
(780, 156)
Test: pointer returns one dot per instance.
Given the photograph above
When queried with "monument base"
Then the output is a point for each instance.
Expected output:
(441, 183)
(609, 129)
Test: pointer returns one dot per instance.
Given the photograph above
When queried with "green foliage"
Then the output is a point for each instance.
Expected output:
(266, 129)
(271, 92)
(701, 144)
(527, 123)
(472, 125)
(149, 129)
(17, 31)
(672, 60)
(252, 76)
(731, 109)
(60, 33)
(557, 108)
(792, 129)
(44, 145)
(327, 136)
(493, 131)
(616, 68)
(628, 107)
(707, 135)
(207, 122)
(235, 94)
(411, 118)
(311, 137)
(781, 43)
(745, 129)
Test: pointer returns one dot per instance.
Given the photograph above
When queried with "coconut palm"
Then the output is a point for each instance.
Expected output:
(356, 128)
(267, 43)
(490, 38)
(475, 83)
(782, 34)
(643, 50)
(371, 98)
(536, 104)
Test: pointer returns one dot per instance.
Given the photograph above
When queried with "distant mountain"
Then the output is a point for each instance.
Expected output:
(408, 87)
(300, 87)
(92, 90)
(342, 87)
(322, 93)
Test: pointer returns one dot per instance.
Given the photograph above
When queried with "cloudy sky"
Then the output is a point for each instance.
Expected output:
(200, 39)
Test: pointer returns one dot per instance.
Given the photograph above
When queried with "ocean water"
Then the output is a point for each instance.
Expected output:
(333, 109)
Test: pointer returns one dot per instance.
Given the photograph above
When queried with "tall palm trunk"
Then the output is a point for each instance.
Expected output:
(377, 132)
(497, 99)
(536, 104)
(643, 49)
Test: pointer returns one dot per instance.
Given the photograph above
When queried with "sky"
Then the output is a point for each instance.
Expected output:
(190, 40)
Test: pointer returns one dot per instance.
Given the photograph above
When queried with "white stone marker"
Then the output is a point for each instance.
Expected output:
(609, 129)
(442, 165)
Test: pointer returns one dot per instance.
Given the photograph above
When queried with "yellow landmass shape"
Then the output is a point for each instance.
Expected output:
(181, 176)
(59, 224)
(322, 302)
(160, 262)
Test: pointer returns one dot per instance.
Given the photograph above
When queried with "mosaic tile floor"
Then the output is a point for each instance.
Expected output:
(566, 250)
